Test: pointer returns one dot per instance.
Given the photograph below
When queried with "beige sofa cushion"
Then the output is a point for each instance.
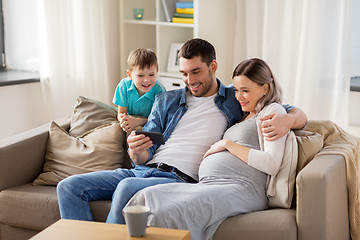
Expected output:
(309, 144)
(98, 149)
(89, 114)
(27, 206)
(36, 207)
(272, 224)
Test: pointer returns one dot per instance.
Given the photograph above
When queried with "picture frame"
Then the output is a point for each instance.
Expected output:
(173, 60)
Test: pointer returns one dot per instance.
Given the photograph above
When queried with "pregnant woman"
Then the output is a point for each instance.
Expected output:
(233, 175)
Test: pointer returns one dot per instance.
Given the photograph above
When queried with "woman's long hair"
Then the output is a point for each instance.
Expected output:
(259, 72)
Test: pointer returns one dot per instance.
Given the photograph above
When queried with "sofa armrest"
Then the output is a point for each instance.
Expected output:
(22, 155)
(322, 203)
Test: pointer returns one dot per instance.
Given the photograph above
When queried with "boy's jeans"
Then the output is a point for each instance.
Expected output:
(75, 192)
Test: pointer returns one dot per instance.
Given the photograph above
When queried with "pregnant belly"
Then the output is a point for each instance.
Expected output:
(226, 165)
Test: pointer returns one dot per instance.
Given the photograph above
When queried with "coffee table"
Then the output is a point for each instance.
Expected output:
(73, 229)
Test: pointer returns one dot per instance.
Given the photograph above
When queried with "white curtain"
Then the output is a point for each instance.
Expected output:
(307, 45)
(80, 51)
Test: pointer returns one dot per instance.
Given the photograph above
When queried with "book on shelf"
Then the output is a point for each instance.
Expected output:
(185, 5)
(169, 7)
(182, 20)
(183, 15)
(185, 10)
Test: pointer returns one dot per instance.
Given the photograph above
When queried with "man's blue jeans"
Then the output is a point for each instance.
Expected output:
(75, 192)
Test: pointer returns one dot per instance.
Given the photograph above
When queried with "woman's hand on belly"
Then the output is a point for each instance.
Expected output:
(234, 148)
(216, 147)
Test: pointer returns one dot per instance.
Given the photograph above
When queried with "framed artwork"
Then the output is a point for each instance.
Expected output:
(173, 61)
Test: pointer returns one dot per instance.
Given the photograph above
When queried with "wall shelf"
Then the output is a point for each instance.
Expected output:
(186, 25)
(153, 31)
(145, 22)
(213, 21)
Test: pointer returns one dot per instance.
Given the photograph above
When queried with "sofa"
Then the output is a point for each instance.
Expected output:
(319, 209)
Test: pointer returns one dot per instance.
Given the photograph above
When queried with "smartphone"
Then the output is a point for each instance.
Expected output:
(155, 137)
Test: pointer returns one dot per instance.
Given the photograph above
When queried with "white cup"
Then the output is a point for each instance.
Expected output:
(136, 219)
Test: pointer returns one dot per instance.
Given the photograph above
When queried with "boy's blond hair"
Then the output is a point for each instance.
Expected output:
(142, 58)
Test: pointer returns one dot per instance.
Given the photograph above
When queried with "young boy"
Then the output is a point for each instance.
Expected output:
(136, 93)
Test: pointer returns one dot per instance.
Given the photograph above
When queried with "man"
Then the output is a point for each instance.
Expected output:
(191, 120)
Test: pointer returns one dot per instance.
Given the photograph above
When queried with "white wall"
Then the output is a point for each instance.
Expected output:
(218, 28)
(354, 113)
(22, 108)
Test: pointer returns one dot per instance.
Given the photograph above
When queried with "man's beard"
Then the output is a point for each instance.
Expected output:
(205, 88)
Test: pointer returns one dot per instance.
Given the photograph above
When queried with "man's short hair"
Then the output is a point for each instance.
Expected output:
(198, 47)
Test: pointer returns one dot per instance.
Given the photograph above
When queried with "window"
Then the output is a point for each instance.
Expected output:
(2, 45)
(19, 40)
(355, 47)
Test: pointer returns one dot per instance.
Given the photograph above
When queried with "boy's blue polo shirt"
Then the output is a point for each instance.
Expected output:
(126, 95)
